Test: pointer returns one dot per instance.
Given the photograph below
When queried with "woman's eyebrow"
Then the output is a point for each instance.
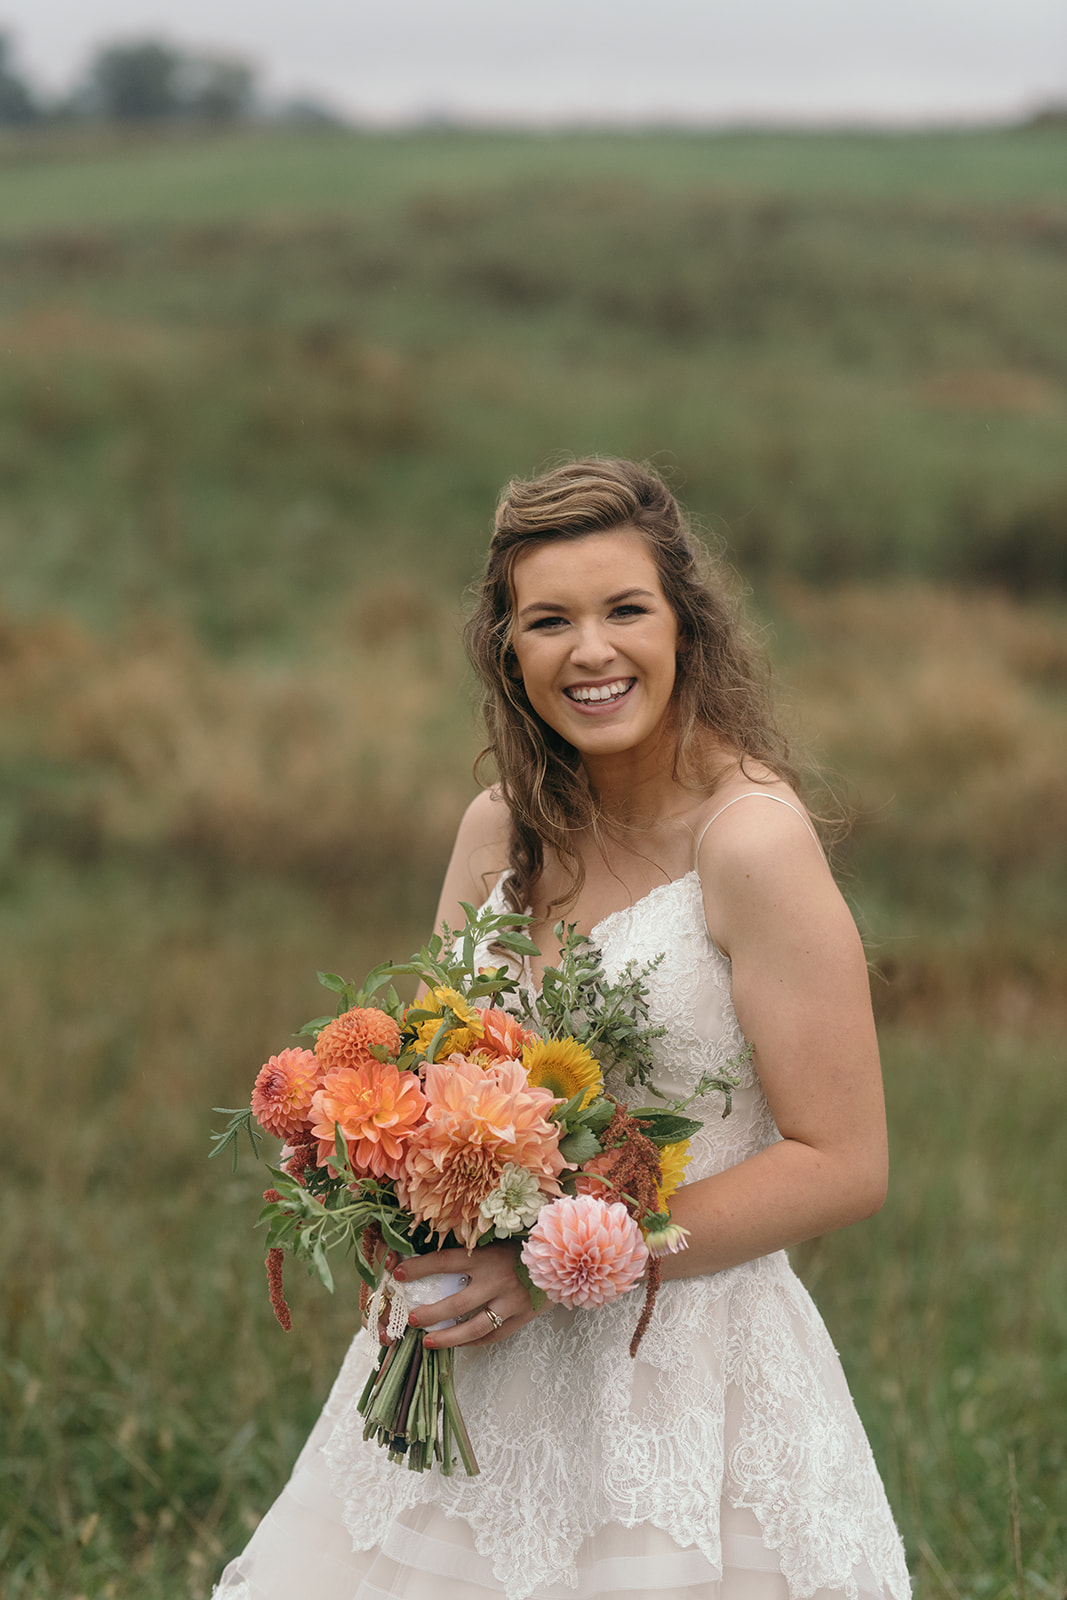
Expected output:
(611, 600)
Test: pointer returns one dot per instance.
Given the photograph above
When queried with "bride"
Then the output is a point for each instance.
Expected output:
(644, 794)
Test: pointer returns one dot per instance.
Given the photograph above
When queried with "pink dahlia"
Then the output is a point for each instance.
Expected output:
(584, 1252)
(377, 1108)
(478, 1119)
(283, 1090)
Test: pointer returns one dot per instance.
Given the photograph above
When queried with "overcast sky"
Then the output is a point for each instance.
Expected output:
(522, 60)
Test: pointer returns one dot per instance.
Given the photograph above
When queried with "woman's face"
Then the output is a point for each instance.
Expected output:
(596, 640)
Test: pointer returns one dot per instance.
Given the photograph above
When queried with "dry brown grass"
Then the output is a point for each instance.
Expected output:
(944, 713)
(325, 763)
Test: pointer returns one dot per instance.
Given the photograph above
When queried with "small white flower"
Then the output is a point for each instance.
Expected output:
(514, 1203)
(667, 1240)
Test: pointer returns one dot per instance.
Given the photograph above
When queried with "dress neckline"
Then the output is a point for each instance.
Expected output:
(657, 889)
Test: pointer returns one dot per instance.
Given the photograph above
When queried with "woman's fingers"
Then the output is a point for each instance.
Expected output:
(492, 1283)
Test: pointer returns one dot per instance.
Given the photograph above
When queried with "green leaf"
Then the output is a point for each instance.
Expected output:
(314, 1027)
(596, 1116)
(446, 1027)
(330, 980)
(579, 1146)
(565, 1114)
(666, 1127)
(538, 1297)
(394, 1238)
(322, 1266)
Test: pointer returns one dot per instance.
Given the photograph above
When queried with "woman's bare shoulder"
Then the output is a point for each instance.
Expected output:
(750, 802)
(479, 855)
(757, 843)
(486, 824)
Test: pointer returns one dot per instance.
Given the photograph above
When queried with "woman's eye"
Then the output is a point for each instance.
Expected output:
(545, 622)
(630, 611)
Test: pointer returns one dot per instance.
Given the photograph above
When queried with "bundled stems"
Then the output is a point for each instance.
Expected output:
(409, 1405)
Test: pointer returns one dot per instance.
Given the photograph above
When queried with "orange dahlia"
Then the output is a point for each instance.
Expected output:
(502, 1035)
(376, 1107)
(477, 1121)
(347, 1040)
(283, 1090)
(597, 1167)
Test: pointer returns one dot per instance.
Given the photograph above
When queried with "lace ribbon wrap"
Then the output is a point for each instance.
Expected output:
(402, 1298)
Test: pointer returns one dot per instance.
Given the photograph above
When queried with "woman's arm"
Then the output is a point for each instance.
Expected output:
(801, 994)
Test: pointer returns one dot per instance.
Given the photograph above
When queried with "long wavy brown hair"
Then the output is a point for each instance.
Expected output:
(721, 685)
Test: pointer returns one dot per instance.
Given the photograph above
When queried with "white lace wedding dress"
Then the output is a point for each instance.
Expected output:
(726, 1462)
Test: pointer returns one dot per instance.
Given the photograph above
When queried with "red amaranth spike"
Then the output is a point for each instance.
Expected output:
(273, 1265)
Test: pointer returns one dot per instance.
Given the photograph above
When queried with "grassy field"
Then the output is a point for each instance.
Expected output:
(257, 395)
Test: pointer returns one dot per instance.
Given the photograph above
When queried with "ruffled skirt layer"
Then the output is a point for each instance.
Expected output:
(725, 1463)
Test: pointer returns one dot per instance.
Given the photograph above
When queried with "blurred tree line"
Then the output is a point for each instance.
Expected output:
(143, 81)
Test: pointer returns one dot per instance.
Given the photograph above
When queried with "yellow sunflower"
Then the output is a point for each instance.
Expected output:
(461, 1038)
(564, 1067)
(673, 1160)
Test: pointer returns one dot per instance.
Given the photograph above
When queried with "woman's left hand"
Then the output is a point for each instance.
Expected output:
(493, 1285)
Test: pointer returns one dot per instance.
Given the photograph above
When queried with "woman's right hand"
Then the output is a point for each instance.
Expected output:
(493, 1287)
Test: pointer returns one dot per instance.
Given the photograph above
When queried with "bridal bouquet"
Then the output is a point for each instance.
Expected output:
(456, 1121)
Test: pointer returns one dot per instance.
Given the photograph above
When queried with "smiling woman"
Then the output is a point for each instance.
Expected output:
(643, 788)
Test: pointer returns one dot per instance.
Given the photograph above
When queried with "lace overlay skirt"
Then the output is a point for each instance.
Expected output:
(726, 1461)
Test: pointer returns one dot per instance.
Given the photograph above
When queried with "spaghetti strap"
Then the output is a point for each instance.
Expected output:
(753, 794)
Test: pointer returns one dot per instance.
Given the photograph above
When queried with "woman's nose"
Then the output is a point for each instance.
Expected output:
(592, 648)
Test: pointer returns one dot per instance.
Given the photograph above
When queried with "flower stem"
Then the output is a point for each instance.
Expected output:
(454, 1415)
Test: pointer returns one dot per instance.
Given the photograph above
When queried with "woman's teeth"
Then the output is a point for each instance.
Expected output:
(607, 691)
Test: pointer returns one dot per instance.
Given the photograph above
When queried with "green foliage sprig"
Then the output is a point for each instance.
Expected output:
(609, 1017)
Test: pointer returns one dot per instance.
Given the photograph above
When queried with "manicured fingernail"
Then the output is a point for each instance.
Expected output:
(398, 1272)
(413, 1321)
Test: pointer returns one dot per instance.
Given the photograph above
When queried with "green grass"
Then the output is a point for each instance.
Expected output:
(237, 420)
(67, 181)
(138, 1451)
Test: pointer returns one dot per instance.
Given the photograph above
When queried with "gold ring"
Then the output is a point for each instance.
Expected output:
(498, 1322)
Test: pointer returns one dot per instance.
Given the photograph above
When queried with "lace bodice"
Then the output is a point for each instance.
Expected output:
(689, 994)
(736, 1395)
